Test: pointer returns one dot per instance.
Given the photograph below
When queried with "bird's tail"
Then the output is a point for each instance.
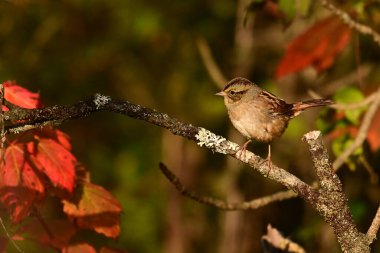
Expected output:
(301, 106)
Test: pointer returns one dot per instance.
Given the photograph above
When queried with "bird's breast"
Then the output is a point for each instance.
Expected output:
(255, 124)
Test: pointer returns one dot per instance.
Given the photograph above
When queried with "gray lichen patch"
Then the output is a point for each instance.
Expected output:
(215, 142)
(312, 135)
(101, 100)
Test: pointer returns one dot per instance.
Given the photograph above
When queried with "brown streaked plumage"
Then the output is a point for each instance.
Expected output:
(258, 114)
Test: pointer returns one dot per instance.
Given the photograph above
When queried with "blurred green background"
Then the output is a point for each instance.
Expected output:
(147, 52)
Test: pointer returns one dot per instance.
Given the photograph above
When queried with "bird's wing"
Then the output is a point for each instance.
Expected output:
(275, 106)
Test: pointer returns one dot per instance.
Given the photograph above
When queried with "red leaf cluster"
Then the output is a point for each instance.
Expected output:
(41, 161)
(317, 47)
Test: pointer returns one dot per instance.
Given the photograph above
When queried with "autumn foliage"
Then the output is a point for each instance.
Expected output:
(318, 47)
(39, 164)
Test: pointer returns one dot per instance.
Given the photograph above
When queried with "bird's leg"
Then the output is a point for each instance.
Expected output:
(243, 149)
(269, 160)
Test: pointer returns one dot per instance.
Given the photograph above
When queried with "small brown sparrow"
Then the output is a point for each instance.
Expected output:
(258, 114)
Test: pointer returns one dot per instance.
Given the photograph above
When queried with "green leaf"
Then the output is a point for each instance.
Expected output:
(340, 144)
(349, 95)
(303, 7)
(288, 7)
(359, 8)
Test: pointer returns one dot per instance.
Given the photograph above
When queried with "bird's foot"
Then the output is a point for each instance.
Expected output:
(269, 160)
(242, 150)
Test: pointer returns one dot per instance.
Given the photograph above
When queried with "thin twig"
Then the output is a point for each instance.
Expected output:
(373, 177)
(363, 29)
(253, 204)
(372, 231)
(210, 64)
(9, 236)
(2, 124)
(277, 240)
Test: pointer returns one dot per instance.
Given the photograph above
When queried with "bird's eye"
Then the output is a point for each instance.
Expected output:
(231, 92)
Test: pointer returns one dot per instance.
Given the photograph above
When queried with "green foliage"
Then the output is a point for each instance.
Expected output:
(323, 122)
(304, 7)
(349, 95)
(340, 144)
(288, 7)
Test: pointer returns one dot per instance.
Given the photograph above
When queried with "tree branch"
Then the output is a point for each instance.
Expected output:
(374, 228)
(331, 202)
(57, 114)
(278, 241)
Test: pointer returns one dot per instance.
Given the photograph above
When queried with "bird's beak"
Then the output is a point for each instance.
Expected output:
(222, 93)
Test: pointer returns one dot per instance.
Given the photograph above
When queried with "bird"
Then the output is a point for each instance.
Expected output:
(258, 114)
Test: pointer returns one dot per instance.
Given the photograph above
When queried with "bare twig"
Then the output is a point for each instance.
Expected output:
(362, 132)
(2, 224)
(363, 29)
(210, 64)
(373, 177)
(253, 204)
(374, 228)
(277, 240)
(2, 124)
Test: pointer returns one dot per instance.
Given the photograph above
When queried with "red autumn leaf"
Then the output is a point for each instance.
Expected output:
(79, 248)
(20, 96)
(62, 138)
(373, 136)
(95, 208)
(53, 159)
(58, 235)
(350, 130)
(55, 134)
(318, 46)
(20, 187)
